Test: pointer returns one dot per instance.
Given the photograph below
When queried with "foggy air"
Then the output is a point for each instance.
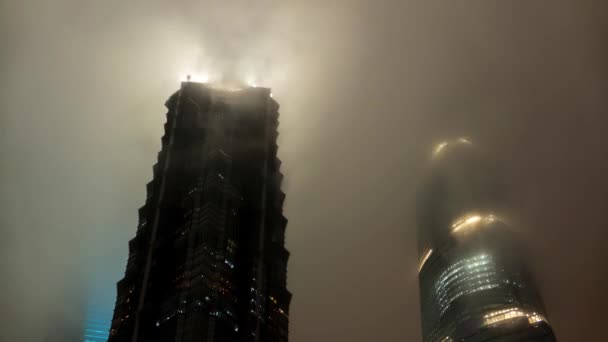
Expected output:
(325, 125)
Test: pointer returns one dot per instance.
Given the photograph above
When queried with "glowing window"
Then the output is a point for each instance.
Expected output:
(464, 277)
(500, 316)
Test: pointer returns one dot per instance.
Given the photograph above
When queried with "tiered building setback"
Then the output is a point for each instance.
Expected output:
(208, 261)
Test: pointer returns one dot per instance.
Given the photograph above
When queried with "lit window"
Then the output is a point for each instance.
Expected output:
(464, 277)
(536, 318)
(503, 315)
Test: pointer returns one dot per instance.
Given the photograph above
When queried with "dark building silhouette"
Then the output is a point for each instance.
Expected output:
(474, 284)
(208, 261)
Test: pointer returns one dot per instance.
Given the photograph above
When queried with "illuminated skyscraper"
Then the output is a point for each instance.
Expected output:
(474, 284)
(208, 261)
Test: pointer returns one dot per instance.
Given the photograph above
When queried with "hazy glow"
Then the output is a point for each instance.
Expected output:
(442, 145)
(218, 79)
(216, 82)
(425, 257)
(251, 82)
(500, 316)
(465, 223)
(471, 221)
(439, 147)
(225, 87)
(198, 78)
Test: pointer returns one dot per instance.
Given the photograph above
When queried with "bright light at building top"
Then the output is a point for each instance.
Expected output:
(218, 81)
(439, 148)
(251, 82)
(198, 78)
(471, 221)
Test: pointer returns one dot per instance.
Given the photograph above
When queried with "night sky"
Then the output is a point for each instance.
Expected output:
(366, 88)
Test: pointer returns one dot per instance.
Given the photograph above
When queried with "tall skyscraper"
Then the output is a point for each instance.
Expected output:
(208, 261)
(474, 283)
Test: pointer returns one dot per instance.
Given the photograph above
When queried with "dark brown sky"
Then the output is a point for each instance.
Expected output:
(366, 87)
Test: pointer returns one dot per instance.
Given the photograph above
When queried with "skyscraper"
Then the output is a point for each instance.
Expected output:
(474, 283)
(208, 261)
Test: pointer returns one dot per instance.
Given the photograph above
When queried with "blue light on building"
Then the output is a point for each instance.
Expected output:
(97, 325)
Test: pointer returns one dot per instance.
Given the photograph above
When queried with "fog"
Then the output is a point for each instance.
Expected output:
(366, 88)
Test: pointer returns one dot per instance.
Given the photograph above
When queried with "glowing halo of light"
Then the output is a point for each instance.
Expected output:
(472, 221)
(439, 148)
(196, 77)
(442, 146)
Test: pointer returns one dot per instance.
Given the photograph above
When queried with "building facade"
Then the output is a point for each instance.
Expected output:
(474, 283)
(97, 324)
(208, 261)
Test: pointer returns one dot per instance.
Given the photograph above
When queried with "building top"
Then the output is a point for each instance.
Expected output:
(461, 182)
(234, 93)
(447, 146)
